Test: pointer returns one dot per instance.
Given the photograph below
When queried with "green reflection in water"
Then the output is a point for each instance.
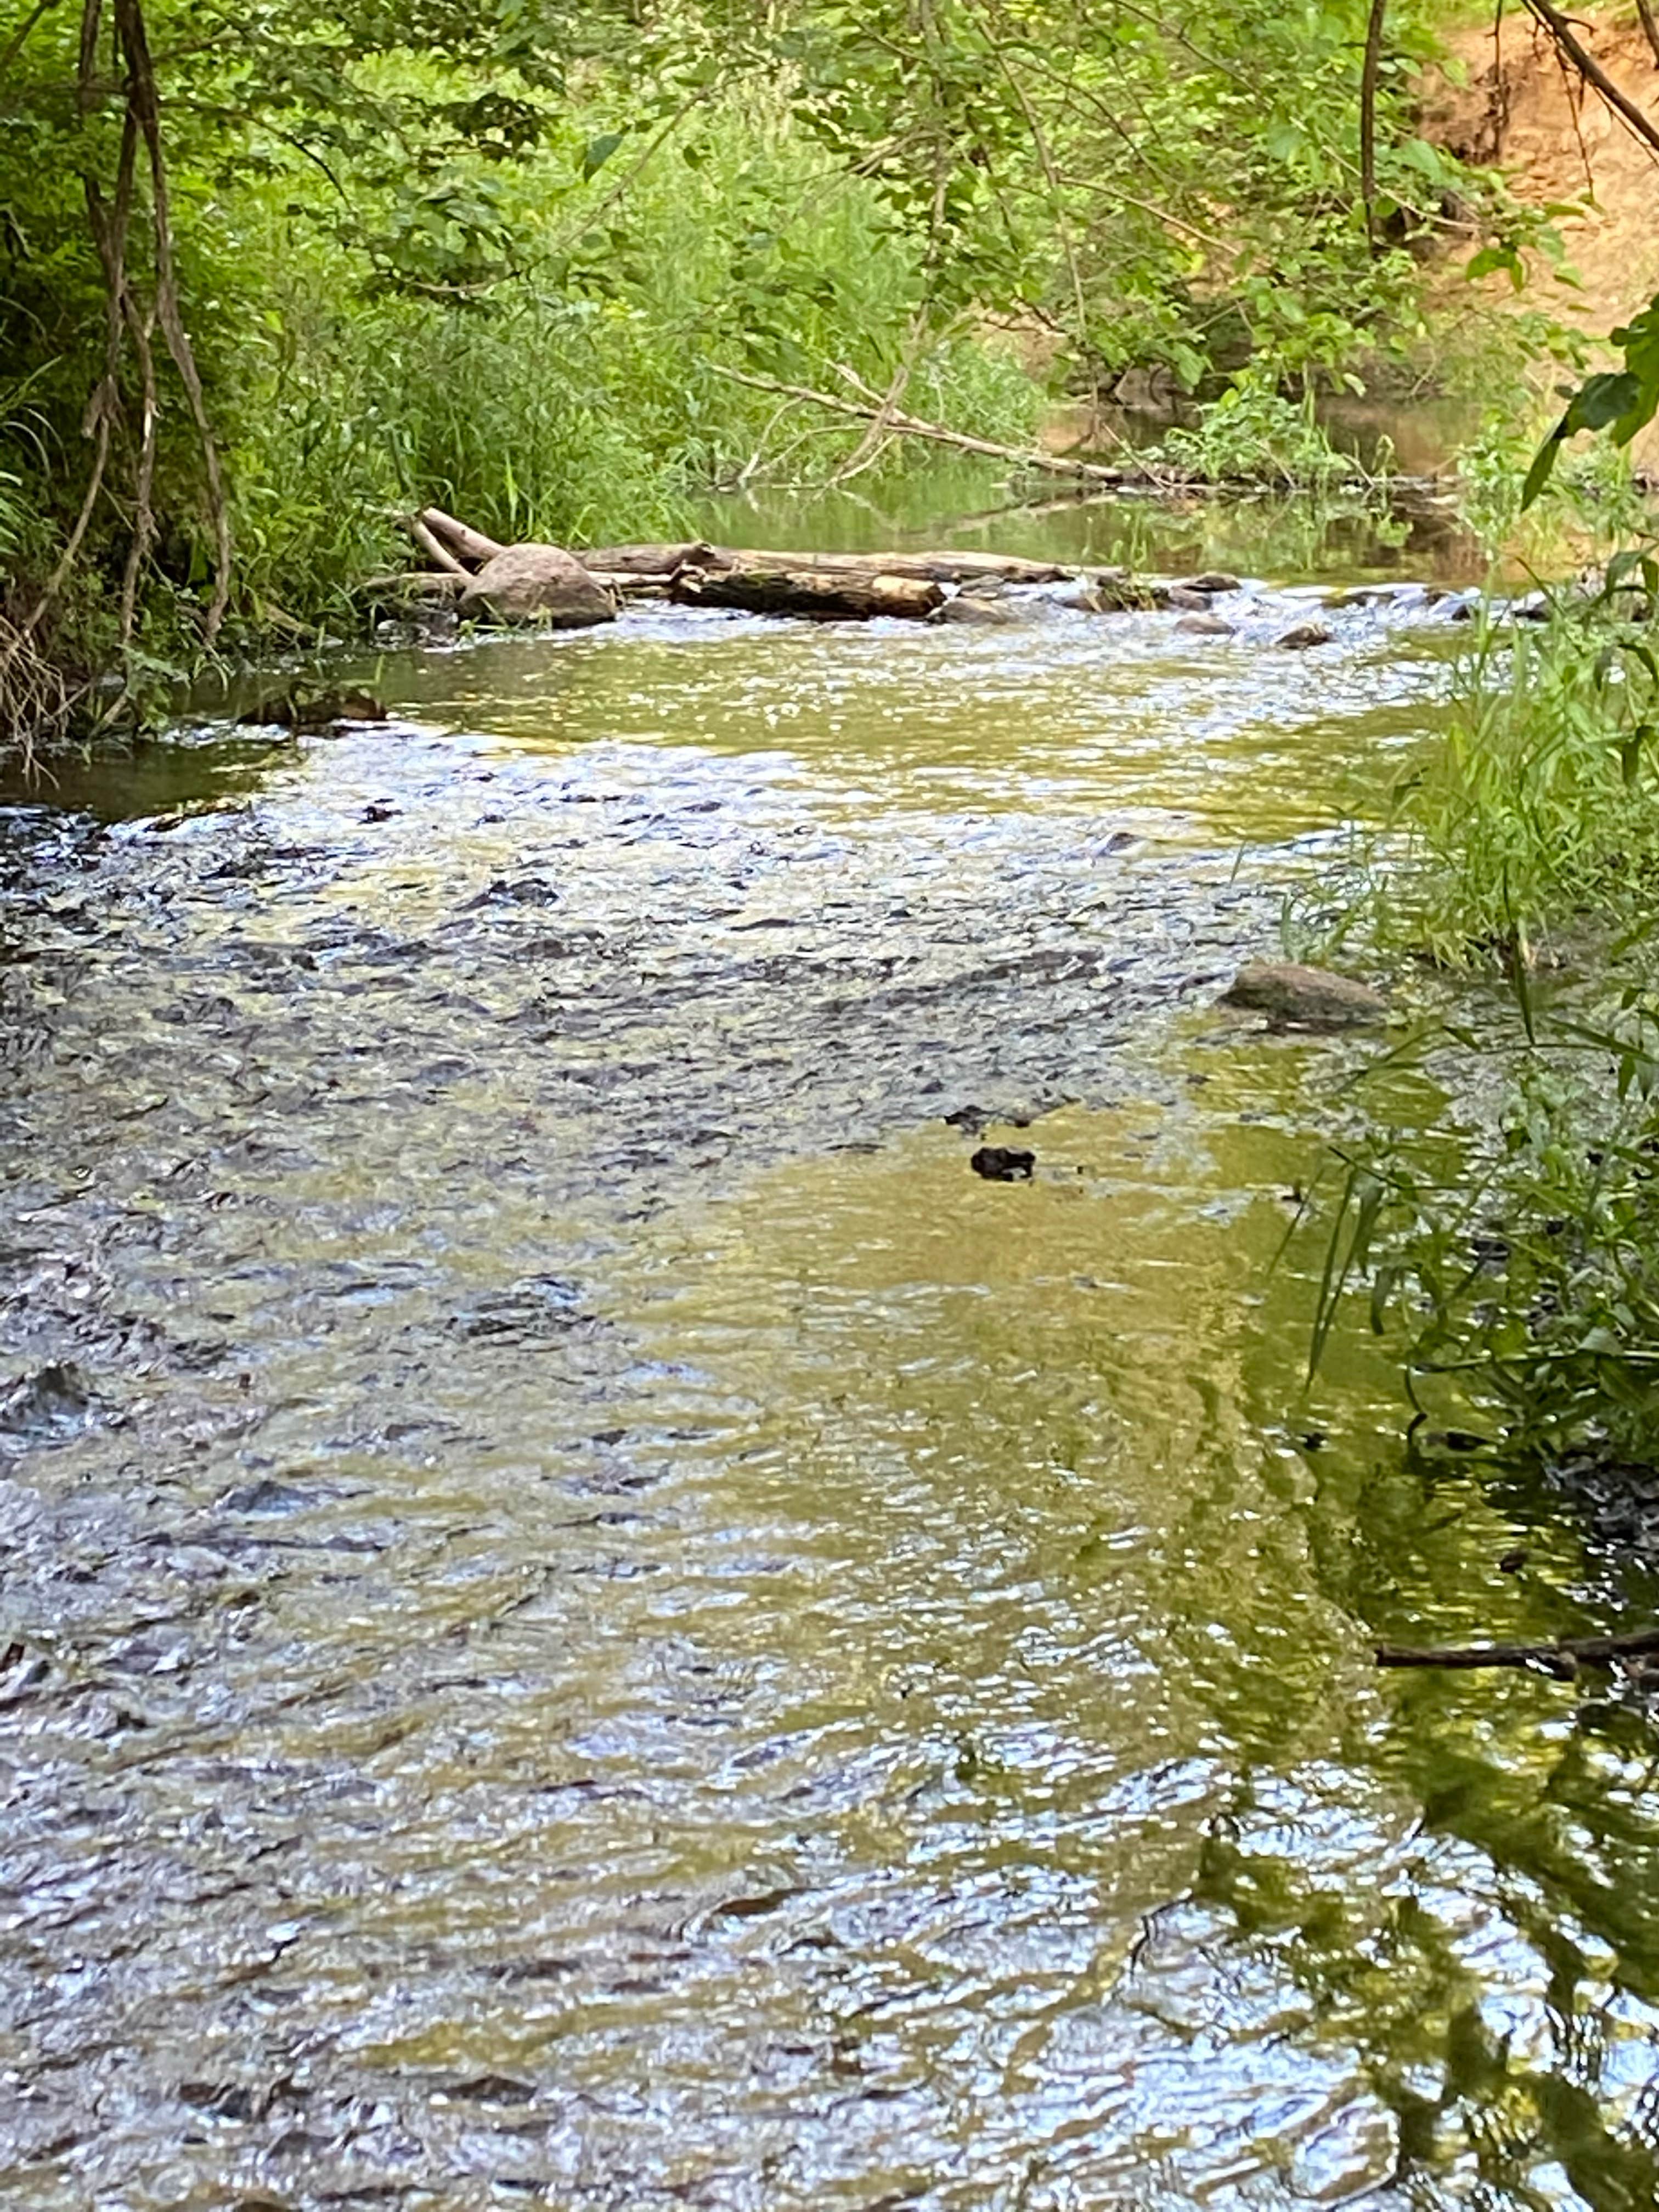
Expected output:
(1046, 1446)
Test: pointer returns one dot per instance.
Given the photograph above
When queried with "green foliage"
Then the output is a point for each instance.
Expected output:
(1620, 401)
(1536, 809)
(1254, 435)
(1522, 1267)
(498, 256)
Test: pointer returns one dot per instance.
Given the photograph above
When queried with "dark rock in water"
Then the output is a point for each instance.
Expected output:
(513, 891)
(1204, 626)
(1304, 635)
(1188, 598)
(971, 1118)
(1294, 997)
(54, 1401)
(1003, 1163)
(308, 711)
(1214, 579)
(1512, 1562)
(538, 584)
(975, 612)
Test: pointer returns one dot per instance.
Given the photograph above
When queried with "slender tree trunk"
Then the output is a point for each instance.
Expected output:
(1649, 24)
(1368, 76)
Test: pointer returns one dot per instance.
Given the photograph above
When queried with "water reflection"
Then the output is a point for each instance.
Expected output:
(600, 1622)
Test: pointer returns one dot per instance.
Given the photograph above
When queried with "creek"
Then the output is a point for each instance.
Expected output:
(593, 1619)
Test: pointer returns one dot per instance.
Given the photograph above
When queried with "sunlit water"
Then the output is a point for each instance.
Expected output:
(607, 1624)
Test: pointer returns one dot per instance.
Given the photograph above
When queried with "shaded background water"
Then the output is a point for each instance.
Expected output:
(594, 1619)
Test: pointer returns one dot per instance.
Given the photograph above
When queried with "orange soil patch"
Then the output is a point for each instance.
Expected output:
(1525, 113)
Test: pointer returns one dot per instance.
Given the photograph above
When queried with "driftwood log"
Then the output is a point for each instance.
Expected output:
(820, 595)
(823, 587)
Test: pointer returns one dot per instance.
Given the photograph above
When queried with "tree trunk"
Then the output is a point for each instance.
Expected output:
(822, 598)
(1368, 76)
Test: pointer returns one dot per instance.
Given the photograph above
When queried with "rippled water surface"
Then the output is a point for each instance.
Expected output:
(594, 1619)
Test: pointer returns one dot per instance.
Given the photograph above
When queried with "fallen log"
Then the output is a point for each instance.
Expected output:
(818, 596)
(435, 551)
(656, 563)
(655, 560)
(416, 584)
(1563, 1658)
(911, 426)
(1060, 465)
(471, 545)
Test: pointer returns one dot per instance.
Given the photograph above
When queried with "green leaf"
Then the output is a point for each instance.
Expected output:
(598, 151)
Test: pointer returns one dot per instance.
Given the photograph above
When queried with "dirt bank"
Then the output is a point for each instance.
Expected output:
(1518, 108)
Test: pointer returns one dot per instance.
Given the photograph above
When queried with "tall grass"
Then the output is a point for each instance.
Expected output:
(1534, 814)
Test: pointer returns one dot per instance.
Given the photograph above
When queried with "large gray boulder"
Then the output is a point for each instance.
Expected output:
(540, 584)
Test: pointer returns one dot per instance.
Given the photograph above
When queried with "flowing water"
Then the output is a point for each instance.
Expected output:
(593, 1619)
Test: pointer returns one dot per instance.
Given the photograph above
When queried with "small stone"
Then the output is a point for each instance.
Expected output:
(972, 611)
(1512, 1562)
(1203, 626)
(1003, 1163)
(1302, 636)
(1189, 597)
(1214, 579)
(1294, 997)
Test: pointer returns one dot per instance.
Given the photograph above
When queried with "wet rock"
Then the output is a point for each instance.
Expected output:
(1295, 997)
(537, 583)
(1214, 579)
(1204, 626)
(973, 611)
(1187, 599)
(1119, 595)
(302, 712)
(1302, 635)
(1003, 1163)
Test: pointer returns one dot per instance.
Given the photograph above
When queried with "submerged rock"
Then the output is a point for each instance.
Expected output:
(1204, 626)
(1294, 997)
(1214, 579)
(1304, 635)
(537, 583)
(307, 712)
